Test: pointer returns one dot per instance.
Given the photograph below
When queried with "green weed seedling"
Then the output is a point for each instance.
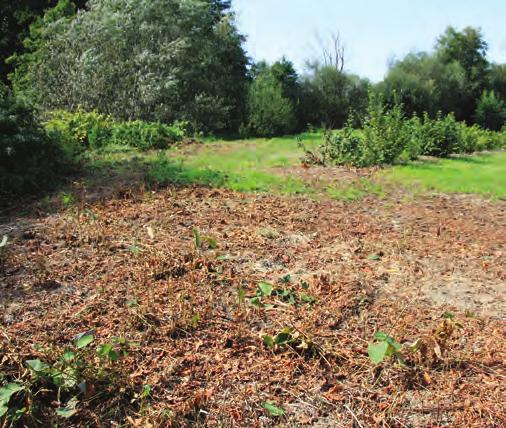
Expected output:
(289, 337)
(290, 295)
(272, 409)
(264, 289)
(78, 371)
(384, 346)
(141, 397)
(287, 295)
(202, 241)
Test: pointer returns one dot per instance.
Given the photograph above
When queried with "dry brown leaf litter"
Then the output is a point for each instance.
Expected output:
(374, 265)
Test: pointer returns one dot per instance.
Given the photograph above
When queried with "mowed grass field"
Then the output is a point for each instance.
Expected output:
(483, 174)
(274, 165)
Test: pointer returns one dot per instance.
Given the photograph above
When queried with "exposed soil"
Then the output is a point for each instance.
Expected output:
(389, 264)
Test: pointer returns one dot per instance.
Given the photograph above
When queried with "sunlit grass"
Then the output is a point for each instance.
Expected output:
(165, 170)
(244, 165)
(481, 174)
(256, 153)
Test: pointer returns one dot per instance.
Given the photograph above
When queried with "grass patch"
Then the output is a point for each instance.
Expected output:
(483, 174)
(355, 190)
(167, 171)
(242, 165)
(254, 165)
(258, 153)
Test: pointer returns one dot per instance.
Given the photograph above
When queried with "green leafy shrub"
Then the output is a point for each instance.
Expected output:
(146, 136)
(388, 137)
(95, 130)
(490, 140)
(87, 129)
(468, 138)
(31, 158)
(385, 133)
(384, 137)
(440, 136)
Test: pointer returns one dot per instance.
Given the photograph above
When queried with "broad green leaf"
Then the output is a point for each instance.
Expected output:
(272, 409)
(393, 343)
(84, 341)
(377, 351)
(7, 391)
(69, 377)
(265, 288)
(268, 341)
(373, 257)
(4, 241)
(107, 351)
(69, 410)
(380, 336)
(37, 366)
(306, 298)
(103, 350)
(284, 336)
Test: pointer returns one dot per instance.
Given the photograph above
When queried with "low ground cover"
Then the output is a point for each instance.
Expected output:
(201, 306)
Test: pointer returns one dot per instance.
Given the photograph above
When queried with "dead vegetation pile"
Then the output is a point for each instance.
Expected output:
(197, 307)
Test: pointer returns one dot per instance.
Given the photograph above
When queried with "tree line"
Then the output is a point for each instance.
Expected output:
(173, 60)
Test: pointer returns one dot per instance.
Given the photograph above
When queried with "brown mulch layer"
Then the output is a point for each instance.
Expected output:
(129, 268)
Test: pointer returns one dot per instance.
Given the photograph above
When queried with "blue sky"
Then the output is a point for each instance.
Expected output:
(374, 31)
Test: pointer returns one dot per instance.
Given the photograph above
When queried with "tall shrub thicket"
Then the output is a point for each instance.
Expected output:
(92, 130)
(387, 136)
(153, 60)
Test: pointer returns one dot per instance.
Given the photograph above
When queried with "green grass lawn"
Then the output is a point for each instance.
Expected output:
(256, 154)
(483, 174)
(242, 165)
(256, 165)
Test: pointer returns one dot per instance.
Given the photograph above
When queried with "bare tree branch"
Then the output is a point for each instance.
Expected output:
(333, 55)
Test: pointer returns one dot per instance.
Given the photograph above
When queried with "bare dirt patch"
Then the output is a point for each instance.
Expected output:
(385, 265)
